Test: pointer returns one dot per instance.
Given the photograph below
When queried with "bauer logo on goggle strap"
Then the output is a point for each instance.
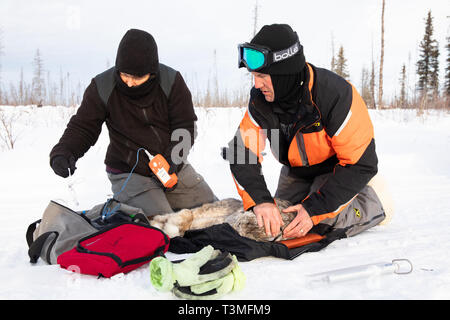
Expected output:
(287, 53)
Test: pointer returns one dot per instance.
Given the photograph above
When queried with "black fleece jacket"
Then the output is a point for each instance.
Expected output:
(147, 122)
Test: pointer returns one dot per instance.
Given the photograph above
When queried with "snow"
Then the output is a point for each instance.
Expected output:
(414, 157)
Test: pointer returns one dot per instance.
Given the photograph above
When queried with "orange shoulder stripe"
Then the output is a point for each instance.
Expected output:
(253, 137)
(355, 133)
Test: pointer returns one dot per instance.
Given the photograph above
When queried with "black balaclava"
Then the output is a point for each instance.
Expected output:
(137, 55)
(287, 75)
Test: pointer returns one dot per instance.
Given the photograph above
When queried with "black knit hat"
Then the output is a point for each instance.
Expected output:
(278, 37)
(137, 53)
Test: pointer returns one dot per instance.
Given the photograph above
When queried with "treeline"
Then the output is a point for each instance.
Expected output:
(428, 92)
(43, 88)
(213, 95)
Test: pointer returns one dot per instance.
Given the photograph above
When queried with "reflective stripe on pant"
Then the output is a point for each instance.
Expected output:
(364, 212)
(145, 193)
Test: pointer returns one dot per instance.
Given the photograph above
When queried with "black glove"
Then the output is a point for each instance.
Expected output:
(173, 168)
(159, 184)
(61, 165)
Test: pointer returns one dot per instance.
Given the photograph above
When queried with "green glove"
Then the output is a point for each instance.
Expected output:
(233, 281)
(205, 265)
(239, 276)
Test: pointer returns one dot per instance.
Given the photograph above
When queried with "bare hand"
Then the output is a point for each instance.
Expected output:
(268, 215)
(301, 224)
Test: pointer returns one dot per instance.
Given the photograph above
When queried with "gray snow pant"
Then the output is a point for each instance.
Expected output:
(364, 212)
(145, 193)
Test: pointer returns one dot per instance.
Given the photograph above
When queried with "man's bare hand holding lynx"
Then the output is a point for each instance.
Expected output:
(301, 224)
(268, 215)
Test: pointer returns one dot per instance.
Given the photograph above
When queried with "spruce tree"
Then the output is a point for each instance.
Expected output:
(428, 64)
(434, 76)
(341, 64)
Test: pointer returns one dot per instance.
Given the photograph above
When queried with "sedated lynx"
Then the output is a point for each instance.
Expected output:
(228, 210)
(244, 222)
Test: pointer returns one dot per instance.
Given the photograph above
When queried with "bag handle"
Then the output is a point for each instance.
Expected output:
(30, 231)
(141, 218)
(35, 249)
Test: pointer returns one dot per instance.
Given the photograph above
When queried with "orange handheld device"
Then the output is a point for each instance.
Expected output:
(160, 167)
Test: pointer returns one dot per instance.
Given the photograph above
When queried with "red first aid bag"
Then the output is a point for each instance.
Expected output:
(117, 249)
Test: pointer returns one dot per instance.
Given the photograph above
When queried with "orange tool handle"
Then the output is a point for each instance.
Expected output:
(298, 242)
(160, 167)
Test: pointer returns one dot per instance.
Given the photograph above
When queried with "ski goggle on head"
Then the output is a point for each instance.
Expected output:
(255, 57)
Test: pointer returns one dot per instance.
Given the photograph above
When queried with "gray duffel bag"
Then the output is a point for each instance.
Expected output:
(60, 227)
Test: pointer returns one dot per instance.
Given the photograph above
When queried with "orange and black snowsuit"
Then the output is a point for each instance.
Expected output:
(334, 134)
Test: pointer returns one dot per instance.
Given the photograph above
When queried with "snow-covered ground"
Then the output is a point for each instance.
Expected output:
(414, 157)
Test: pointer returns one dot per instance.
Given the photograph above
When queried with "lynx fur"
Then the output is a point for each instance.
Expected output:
(244, 222)
(227, 210)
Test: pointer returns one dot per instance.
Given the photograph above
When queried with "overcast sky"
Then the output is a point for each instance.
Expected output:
(81, 37)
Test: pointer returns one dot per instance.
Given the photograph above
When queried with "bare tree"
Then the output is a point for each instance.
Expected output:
(373, 103)
(255, 18)
(38, 82)
(372, 85)
(52, 91)
(333, 58)
(365, 86)
(380, 83)
(8, 134)
(255, 29)
(13, 98)
(68, 90)
(21, 93)
(403, 95)
(216, 92)
(411, 93)
(61, 87)
(447, 70)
